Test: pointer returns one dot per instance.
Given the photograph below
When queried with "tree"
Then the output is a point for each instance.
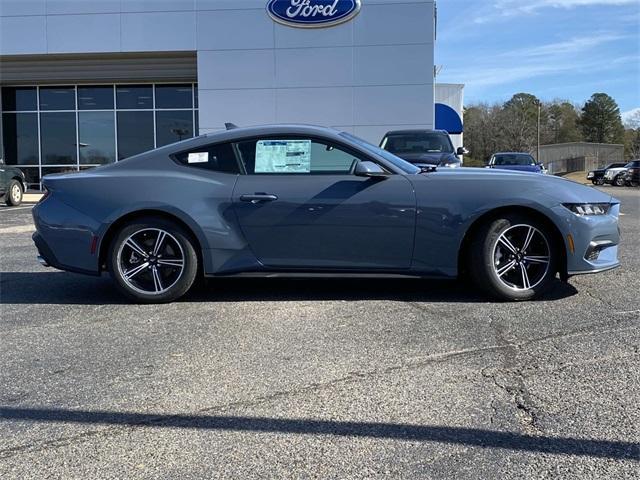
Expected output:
(632, 143)
(480, 127)
(601, 122)
(518, 123)
(633, 121)
(563, 123)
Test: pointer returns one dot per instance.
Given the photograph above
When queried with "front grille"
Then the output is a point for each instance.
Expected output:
(593, 255)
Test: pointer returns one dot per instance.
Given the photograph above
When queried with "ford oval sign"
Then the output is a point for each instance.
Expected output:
(312, 13)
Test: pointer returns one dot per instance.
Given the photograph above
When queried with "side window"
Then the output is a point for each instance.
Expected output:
(294, 156)
(218, 158)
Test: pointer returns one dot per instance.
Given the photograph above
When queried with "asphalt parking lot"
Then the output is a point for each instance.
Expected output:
(267, 378)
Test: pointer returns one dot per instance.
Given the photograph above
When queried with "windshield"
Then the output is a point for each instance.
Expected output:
(418, 142)
(512, 159)
(398, 162)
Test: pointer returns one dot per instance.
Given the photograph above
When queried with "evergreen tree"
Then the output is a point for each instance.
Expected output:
(601, 122)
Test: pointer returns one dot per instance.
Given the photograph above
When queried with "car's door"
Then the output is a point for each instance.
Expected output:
(3, 177)
(299, 205)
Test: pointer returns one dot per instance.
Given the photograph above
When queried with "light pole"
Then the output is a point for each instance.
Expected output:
(538, 132)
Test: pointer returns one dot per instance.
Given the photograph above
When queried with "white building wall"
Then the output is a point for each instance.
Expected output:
(369, 75)
(452, 94)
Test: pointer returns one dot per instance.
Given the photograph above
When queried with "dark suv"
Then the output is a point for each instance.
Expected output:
(12, 184)
(423, 148)
(632, 176)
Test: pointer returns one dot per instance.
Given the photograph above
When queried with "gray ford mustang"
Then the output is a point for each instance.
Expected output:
(303, 200)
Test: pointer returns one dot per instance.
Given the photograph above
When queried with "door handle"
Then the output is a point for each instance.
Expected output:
(258, 197)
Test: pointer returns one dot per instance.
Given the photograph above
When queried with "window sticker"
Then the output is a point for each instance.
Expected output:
(198, 157)
(283, 156)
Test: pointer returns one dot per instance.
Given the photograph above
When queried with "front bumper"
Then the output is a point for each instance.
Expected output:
(595, 240)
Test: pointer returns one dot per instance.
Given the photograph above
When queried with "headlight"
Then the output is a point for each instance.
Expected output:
(588, 208)
(450, 164)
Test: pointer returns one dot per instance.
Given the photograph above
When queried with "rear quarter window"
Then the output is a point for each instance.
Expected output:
(216, 158)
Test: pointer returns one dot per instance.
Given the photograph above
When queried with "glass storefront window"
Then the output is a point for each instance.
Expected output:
(134, 97)
(174, 96)
(32, 176)
(135, 133)
(57, 98)
(53, 170)
(51, 129)
(96, 131)
(20, 138)
(173, 126)
(58, 138)
(95, 98)
(19, 99)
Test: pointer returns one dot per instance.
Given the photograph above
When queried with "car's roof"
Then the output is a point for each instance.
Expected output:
(275, 129)
(512, 153)
(415, 130)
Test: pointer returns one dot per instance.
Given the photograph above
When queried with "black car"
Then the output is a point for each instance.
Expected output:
(597, 176)
(423, 148)
(12, 184)
(632, 176)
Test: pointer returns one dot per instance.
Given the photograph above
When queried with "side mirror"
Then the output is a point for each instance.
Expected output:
(462, 151)
(366, 168)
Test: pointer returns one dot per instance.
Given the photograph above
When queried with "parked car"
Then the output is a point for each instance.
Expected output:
(300, 200)
(597, 176)
(616, 176)
(12, 184)
(632, 175)
(423, 148)
(520, 162)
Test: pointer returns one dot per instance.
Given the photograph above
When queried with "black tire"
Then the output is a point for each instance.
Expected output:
(595, 182)
(488, 257)
(619, 181)
(176, 245)
(14, 194)
(599, 181)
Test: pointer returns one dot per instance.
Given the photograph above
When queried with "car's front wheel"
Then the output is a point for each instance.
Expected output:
(619, 181)
(14, 194)
(153, 260)
(514, 257)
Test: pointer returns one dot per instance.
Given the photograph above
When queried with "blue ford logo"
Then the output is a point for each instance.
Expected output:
(312, 13)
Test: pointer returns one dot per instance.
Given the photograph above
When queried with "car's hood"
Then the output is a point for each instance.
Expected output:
(616, 170)
(427, 158)
(517, 168)
(518, 184)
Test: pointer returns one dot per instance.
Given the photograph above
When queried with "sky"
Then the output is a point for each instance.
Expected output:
(554, 49)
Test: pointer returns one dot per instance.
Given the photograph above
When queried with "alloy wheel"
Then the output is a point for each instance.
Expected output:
(521, 257)
(150, 261)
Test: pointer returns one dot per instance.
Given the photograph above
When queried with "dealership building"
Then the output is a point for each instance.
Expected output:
(89, 82)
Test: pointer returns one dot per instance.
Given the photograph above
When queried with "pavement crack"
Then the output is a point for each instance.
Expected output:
(511, 379)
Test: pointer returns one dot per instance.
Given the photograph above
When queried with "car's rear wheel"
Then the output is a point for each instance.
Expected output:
(153, 260)
(514, 257)
(14, 194)
(619, 181)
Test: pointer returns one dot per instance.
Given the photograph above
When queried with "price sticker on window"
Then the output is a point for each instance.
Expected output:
(198, 157)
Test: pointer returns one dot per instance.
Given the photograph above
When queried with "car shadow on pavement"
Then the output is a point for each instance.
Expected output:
(422, 433)
(62, 288)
